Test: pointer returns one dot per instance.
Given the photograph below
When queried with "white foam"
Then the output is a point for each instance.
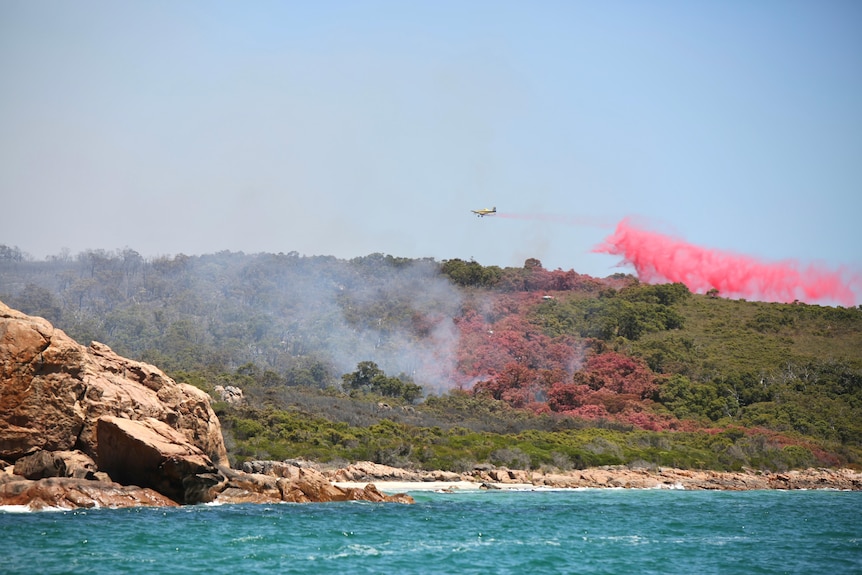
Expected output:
(27, 509)
(15, 509)
(674, 486)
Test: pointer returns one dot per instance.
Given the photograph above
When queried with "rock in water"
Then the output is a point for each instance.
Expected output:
(71, 493)
(150, 453)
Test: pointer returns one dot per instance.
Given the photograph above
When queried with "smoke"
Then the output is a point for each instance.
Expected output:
(322, 311)
(398, 299)
(657, 258)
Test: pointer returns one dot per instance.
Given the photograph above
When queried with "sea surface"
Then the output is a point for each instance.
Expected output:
(487, 532)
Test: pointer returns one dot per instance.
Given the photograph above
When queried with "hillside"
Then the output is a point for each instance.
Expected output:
(449, 364)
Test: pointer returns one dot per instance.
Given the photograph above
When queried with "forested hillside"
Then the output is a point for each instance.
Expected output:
(448, 364)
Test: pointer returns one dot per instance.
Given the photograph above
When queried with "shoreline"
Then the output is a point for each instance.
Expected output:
(395, 480)
(375, 482)
(391, 487)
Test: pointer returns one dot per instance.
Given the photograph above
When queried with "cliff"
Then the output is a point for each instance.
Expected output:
(83, 426)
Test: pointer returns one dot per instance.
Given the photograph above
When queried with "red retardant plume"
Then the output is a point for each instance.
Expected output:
(658, 258)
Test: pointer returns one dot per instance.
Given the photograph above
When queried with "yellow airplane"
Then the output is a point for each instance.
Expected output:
(485, 212)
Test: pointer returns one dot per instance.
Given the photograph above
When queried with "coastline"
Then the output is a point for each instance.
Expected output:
(393, 480)
(391, 487)
(374, 482)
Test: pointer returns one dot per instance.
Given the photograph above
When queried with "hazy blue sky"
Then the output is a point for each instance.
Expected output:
(348, 128)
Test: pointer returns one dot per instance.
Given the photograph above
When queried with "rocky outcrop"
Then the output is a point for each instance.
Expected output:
(83, 426)
(618, 477)
(53, 392)
(295, 482)
(622, 477)
(368, 471)
(73, 493)
(229, 394)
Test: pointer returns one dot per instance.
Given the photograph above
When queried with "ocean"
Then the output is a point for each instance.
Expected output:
(487, 532)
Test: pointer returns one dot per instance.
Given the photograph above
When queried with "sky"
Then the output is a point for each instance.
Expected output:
(359, 127)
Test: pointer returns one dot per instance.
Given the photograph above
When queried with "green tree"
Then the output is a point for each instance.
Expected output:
(365, 372)
(369, 377)
(470, 273)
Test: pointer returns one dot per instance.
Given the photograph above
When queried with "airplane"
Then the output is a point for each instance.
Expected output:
(485, 212)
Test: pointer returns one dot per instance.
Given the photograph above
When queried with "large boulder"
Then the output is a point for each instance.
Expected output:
(150, 453)
(39, 465)
(54, 390)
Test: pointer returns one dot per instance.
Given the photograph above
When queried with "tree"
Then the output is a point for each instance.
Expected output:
(36, 300)
(619, 373)
(370, 378)
(365, 372)
(470, 273)
(10, 254)
(567, 396)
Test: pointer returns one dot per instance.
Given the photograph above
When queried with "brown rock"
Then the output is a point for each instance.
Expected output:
(371, 493)
(71, 493)
(369, 471)
(274, 468)
(150, 453)
(443, 476)
(312, 486)
(53, 391)
(266, 486)
(296, 483)
(238, 495)
(698, 480)
(78, 464)
(305, 485)
(499, 475)
(42, 464)
(39, 465)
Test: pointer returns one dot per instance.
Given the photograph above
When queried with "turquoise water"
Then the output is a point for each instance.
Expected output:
(580, 531)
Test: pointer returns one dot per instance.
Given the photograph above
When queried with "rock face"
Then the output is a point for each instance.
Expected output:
(82, 426)
(53, 392)
(150, 453)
